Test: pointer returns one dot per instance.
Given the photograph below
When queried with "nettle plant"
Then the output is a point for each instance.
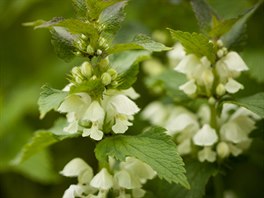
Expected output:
(199, 112)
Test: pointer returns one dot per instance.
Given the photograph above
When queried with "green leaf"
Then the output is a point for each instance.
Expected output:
(221, 27)
(254, 103)
(110, 20)
(236, 34)
(50, 99)
(127, 79)
(80, 7)
(63, 43)
(42, 139)
(123, 61)
(153, 147)
(197, 173)
(203, 13)
(195, 43)
(140, 41)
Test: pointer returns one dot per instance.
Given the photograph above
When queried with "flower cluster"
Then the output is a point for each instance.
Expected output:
(206, 78)
(193, 132)
(94, 115)
(122, 177)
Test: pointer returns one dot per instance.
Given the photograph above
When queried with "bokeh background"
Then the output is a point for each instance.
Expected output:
(28, 61)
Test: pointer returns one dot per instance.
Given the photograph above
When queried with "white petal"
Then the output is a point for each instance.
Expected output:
(70, 192)
(121, 126)
(233, 86)
(124, 180)
(67, 87)
(131, 93)
(232, 132)
(184, 147)
(102, 180)
(94, 112)
(138, 192)
(206, 136)
(93, 132)
(188, 64)
(222, 149)
(72, 127)
(234, 62)
(176, 55)
(189, 87)
(85, 176)
(75, 167)
(124, 105)
(206, 155)
(156, 113)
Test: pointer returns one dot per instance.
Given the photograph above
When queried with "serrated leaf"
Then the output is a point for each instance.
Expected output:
(153, 147)
(42, 139)
(232, 37)
(110, 20)
(254, 103)
(127, 79)
(195, 43)
(50, 99)
(197, 173)
(63, 43)
(203, 13)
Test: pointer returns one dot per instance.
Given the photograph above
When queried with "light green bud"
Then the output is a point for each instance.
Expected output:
(102, 42)
(220, 89)
(94, 77)
(81, 45)
(103, 64)
(84, 37)
(99, 52)
(208, 78)
(78, 53)
(219, 43)
(106, 78)
(112, 73)
(75, 71)
(87, 69)
(222, 150)
(90, 50)
(220, 53)
(211, 100)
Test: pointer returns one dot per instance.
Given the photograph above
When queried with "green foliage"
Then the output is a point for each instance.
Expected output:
(204, 14)
(195, 43)
(42, 139)
(127, 79)
(50, 99)
(153, 147)
(220, 27)
(197, 173)
(140, 42)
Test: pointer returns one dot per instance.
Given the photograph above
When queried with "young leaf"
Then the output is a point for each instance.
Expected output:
(140, 41)
(232, 37)
(50, 99)
(42, 139)
(127, 79)
(110, 20)
(197, 173)
(221, 27)
(203, 13)
(195, 43)
(153, 147)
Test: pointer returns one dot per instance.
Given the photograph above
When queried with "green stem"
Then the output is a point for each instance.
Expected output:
(213, 119)
(218, 186)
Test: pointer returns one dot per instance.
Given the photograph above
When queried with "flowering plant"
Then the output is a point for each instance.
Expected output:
(194, 128)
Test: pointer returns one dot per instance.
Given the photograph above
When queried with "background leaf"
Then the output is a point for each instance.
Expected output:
(153, 147)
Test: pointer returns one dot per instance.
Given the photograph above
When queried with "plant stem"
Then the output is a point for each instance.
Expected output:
(213, 119)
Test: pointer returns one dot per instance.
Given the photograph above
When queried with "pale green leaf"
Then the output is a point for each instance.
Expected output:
(195, 43)
(127, 79)
(42, 139)
(153, 147)
(50, 99)
(197, 173)
(221, 27)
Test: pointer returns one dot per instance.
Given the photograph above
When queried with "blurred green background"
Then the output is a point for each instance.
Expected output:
(28, 61)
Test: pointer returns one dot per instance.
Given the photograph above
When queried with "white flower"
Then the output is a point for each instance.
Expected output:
(206, 155)
(233, 86)
(126, 180)
(189, 87)
(188, 64)
(102, 180)
(176, 55)
(206, 136)
(184, 147)
(234, 62)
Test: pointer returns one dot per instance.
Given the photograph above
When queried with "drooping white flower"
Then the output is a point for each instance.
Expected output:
(206, 155)
(102, 180)
(233, 86)
(189, 87)
(176, 55)
(187, 65)
(126, 180)
(206, 136)
(234, 62)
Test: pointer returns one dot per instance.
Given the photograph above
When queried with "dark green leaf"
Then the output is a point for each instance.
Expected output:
(195, 43)
(153, 147)
(221, 27)
(50, 99)
(197, 173)
(42, 139)
(110, 20)
(236, 34)
(203, 13)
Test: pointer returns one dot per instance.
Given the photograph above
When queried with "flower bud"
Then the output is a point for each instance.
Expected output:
(112, 73)
(106, 78)
(86, 69)
(222, 150)
(83, 36)
(211, 100)
(75, 71)
(103, 64)
(220, 89)
(99, 52)
(220, 53)
(219, 43)
(90, 50)
(81, 44)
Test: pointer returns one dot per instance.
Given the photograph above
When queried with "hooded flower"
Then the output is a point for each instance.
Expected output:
(206, 136)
